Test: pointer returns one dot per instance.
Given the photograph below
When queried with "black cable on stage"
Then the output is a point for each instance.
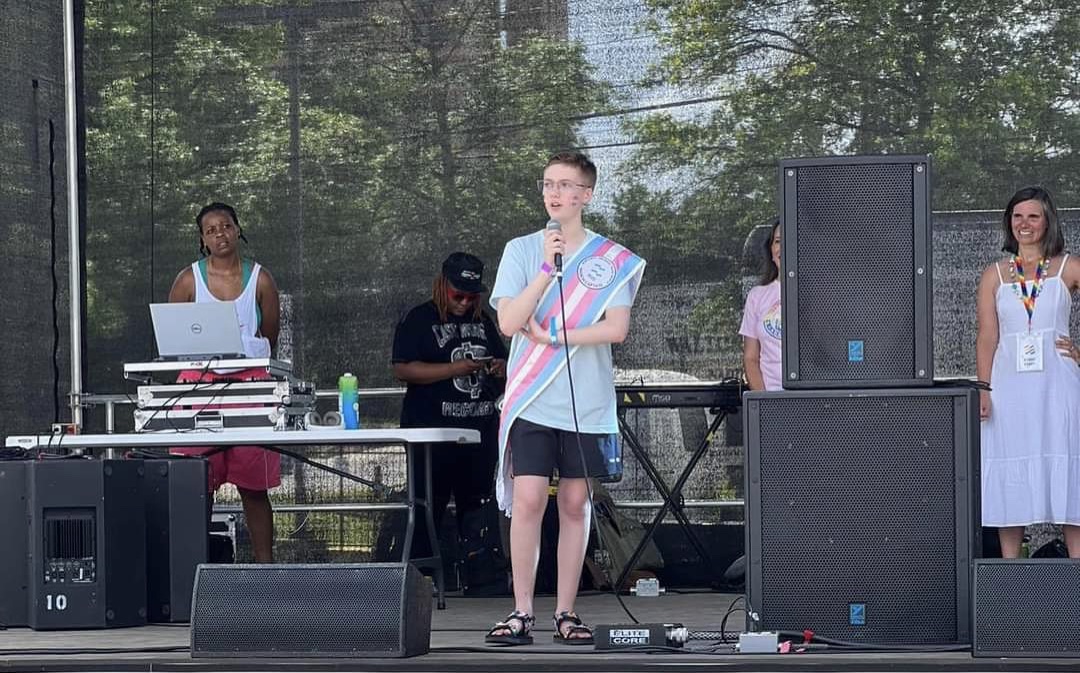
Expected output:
(581, 451)
(56, 433)
(848, 645)
(178, 397)
(52, 270)
(731, 609)
(14, 453)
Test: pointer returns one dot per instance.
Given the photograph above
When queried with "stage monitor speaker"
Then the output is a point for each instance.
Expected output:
(857, 288)
(862, 513)
(88, 544)
(311, 611)
(175, 492)
(1027, 608)
(15, 536)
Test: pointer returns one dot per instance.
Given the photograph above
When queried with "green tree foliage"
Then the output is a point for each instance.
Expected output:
(988, 87)
(179, 111)
(360, 142)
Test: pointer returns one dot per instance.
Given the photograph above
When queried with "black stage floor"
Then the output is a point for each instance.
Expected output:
(457, 644)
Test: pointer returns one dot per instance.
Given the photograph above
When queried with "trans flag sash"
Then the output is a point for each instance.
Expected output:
(591, 279)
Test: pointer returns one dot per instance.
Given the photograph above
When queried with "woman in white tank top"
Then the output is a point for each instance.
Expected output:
(1031, 415)
(221, 275)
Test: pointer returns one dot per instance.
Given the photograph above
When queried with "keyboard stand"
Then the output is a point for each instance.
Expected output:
(673, 499)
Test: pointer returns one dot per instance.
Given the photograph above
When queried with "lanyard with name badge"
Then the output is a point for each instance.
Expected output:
(1029, 351)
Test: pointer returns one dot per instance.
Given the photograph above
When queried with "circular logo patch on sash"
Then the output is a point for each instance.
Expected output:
(596, 273)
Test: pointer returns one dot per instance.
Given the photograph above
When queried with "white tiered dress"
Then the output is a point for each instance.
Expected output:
(1031, 442)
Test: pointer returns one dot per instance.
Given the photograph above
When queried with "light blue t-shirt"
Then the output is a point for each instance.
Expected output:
(594, 375)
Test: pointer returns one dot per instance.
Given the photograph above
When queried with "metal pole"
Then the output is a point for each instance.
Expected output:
(294, 41)
(110, 417)
(110, 427)
(74, 253)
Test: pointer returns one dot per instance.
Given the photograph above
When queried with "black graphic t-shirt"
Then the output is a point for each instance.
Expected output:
(460, 402)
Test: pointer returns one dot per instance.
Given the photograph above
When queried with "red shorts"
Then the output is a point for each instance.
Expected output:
(249, 467)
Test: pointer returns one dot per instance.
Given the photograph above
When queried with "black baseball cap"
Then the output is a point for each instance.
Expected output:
(464, 271)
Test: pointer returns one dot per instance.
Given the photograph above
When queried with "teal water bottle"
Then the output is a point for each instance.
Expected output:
(348, 401)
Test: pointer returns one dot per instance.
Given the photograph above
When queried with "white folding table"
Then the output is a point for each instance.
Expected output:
(422, 438)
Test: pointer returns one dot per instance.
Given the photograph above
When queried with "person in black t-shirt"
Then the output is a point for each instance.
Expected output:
(450, 354)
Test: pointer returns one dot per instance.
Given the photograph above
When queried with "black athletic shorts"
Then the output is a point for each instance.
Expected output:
(538, 450)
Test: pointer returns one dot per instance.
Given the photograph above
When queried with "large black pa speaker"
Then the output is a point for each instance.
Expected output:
(362, 610)
(15, 537)
(856, 256)
(88, 544)
(862, 513)
(1027, 608)
(175, 492)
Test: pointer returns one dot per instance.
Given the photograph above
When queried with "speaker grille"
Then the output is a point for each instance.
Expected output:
(855, 269)
(858, 517)
(1027, 607)
(306, 610)
(69, 534)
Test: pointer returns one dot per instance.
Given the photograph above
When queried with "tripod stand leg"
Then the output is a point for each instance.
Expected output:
(672, 499)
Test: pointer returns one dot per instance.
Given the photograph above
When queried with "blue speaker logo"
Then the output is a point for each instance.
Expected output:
(857, 614)
(855, 351)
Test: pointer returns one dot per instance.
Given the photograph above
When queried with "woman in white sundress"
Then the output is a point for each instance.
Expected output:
(1031, 415)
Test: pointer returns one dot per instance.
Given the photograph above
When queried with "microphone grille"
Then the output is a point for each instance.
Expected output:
(553, 224)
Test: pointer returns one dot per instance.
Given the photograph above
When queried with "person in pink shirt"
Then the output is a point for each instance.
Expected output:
(761, 324)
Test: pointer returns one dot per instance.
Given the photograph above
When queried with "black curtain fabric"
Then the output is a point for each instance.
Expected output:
(33, 219)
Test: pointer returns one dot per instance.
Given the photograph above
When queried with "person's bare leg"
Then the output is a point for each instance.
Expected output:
(1011, 539)
(574, 520)
(530, 501)
(259, 516)
(527, 514)
(1072, 540)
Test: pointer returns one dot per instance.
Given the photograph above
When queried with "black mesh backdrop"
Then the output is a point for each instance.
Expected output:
(359, 141)
(32, 81)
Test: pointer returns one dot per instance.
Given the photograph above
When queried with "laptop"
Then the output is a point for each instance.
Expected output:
(197, 331)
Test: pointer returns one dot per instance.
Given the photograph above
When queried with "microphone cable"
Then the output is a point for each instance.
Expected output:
(581, 451)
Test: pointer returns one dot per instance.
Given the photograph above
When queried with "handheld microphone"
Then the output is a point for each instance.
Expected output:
(555, 226)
